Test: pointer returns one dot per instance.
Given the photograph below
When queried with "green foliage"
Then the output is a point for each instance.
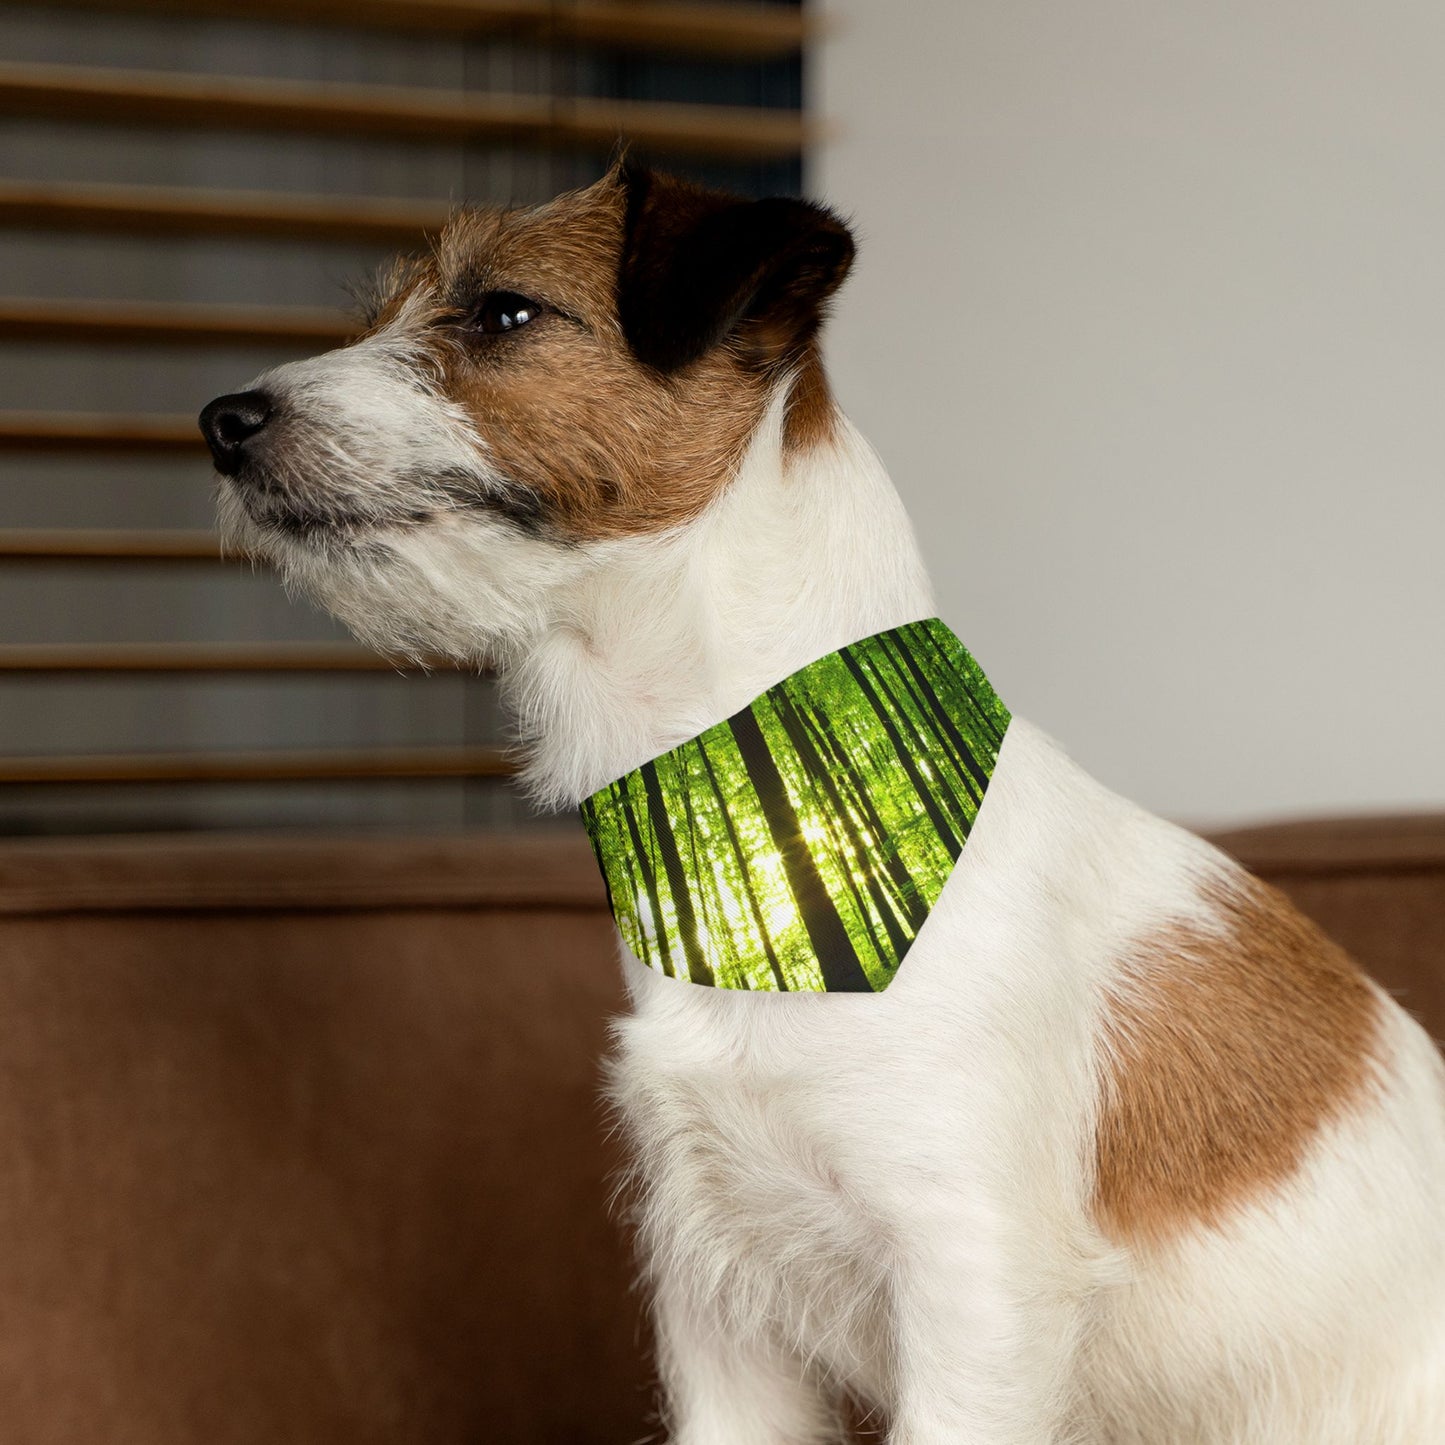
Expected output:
(800, 844)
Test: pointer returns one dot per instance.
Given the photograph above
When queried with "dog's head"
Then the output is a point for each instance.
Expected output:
(544, 383)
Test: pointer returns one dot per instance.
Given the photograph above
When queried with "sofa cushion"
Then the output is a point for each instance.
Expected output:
(302, 1140)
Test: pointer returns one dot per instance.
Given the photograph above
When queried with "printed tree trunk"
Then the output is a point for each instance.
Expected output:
(709, 896)
(923, 705)
(927, 699)
(837, 959)
(931, 736)
(632, 883)
(697, 966)
(931, 750)
(745, 873)
(593, 825)
(829, 738)
(599, 828)
(984, 714)
(805, 786)
(860, 906)
(904, 887)
(840, 818)
(649, 882)
(929, 803)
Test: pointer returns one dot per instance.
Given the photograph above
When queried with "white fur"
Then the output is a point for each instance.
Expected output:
(890, 1194)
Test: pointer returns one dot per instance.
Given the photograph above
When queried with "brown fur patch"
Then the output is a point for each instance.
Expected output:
(811, 415)
(1227, 1052)
(607, 446)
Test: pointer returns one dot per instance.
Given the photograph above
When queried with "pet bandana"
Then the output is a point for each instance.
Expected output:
(799, 844)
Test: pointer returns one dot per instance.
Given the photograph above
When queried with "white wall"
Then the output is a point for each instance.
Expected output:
(1149, 324)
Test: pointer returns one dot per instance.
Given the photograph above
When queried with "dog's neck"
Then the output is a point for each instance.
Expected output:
(664, 636)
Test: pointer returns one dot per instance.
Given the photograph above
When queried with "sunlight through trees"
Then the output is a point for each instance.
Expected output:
(799, 844)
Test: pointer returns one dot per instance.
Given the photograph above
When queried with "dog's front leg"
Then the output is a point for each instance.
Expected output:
(724, 1387)
(985, 1340)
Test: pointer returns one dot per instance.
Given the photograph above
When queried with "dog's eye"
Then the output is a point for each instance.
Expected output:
(504, 311)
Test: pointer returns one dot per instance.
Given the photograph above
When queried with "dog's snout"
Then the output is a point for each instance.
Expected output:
(229, 422)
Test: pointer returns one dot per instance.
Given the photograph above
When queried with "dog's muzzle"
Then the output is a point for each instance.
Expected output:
(231, 422)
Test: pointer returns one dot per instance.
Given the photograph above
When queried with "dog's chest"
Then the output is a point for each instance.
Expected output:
(754, 1174)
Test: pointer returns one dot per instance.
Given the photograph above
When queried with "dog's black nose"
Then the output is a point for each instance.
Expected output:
(229, 422)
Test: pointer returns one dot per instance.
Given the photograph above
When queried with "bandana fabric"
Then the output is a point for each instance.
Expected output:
(799, 845)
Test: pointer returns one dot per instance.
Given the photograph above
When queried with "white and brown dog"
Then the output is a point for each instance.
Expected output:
(1128, 1153)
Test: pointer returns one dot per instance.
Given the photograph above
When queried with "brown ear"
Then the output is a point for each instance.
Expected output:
(698, 266)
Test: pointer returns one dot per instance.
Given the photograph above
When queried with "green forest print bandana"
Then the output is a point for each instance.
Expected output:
(800, 844)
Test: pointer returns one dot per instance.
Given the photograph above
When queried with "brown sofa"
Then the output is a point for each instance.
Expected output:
(302, 1140)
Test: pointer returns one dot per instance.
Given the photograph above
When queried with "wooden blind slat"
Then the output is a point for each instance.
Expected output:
(77, 431)
(171, 323)
(226, 103)
(762, 32)
(82, 544)
(98, 432)
(271, 766)
(189, 657)
(755, 32)
(173, 211)
(218, 102)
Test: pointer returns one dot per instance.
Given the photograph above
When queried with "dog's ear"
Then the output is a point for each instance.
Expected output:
(699, 266)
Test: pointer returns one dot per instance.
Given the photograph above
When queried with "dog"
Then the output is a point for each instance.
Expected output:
(1128, 1153)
